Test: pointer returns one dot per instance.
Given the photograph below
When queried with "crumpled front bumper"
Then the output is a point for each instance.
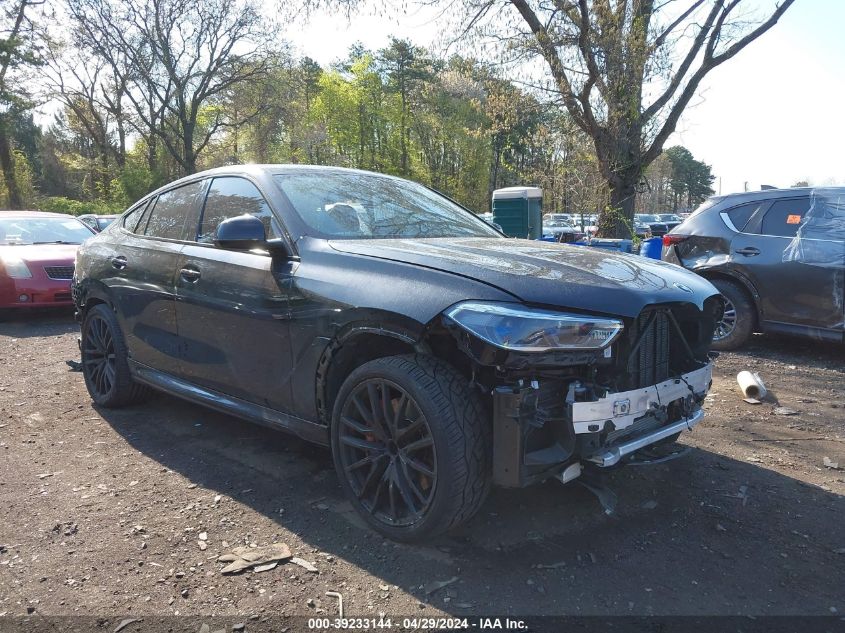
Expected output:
(624, 410)
(599, 432)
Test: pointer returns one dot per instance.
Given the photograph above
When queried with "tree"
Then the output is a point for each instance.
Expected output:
(406, 66)
(20, 41)
(605, 59)
(179, 59)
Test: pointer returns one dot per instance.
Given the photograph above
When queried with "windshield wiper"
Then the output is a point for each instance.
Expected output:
(57, 242)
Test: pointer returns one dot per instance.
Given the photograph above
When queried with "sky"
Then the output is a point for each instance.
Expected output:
(774, 114)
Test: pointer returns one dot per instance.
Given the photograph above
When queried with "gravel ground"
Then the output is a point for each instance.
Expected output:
(123, 513)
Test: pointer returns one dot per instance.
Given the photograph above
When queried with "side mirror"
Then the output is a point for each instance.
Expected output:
(241, 233)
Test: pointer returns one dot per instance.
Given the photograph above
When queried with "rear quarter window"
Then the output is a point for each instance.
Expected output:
(741, 214)
(134, 219)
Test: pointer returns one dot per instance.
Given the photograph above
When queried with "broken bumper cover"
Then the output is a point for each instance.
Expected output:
(611, 456)
(624, 408)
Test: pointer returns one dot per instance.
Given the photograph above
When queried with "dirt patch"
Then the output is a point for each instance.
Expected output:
(126, 512)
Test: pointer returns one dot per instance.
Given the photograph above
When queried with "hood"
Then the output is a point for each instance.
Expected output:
(42, 253)
(543, 273)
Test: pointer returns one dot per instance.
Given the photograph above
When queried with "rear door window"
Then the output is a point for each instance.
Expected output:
(175, 213)
(229, 197)
(784, 217)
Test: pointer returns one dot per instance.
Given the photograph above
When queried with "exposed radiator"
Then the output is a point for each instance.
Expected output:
(649, 362)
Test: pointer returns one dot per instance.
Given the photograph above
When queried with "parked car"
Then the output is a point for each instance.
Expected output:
(368, 313)
(657, 228)
(642, 230)
(562, 231)
(777, 256)
(671, 220)
(37, 251)
(97, 222)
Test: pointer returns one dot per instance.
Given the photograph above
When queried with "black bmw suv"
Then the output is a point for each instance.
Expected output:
(368, 313)
(777, 256)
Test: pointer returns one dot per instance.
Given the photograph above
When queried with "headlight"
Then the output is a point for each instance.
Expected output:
(516, 327)
(15, 267)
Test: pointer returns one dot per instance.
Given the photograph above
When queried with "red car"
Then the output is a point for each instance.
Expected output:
(37, 254)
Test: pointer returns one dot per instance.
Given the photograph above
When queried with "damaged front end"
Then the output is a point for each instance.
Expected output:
(557, 410)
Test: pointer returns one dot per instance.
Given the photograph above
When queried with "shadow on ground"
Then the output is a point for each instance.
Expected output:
(37, 323)
(702, 535)
(707, 534)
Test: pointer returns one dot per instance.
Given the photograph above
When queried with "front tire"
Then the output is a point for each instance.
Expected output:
(411, 446)
(737, 323)
(105, 365)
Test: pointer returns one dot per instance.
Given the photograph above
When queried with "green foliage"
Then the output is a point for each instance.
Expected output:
(24, 178)
(454, 125)
(59, 204)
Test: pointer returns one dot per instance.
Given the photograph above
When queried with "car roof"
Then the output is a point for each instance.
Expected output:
(269, 168)
(33, 214)
(765, 194)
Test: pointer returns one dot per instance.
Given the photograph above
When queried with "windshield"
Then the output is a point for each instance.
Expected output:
(647, 218)
(103, 222)
(356, 205)
(668, 217)
(42, 230)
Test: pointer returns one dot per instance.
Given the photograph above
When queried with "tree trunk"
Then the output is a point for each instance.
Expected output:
(189, 157)
(7, 162)
(617, 220)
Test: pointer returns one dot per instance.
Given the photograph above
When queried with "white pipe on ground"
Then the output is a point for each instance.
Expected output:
(751, 385)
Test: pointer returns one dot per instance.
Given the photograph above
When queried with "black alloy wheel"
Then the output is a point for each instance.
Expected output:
(388, 453)
(105, 364)
(98, 357)
(412, 446)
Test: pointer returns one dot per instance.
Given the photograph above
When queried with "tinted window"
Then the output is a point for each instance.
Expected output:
(230, 197)
(174, 210)
(742, 214)
(785, 216)
(132, 220)
(355, 205)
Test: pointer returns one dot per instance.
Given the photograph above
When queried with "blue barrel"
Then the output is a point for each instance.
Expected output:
(623, 246)
(652, 247)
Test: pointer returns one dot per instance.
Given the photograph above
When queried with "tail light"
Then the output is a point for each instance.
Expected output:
(670, 239)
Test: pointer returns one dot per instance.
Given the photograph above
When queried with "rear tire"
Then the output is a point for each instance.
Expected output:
(737, 323)
(411, 446)
(105, 365)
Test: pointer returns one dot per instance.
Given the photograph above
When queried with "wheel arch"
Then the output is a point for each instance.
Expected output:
(359, 343)
(92, 295)
(744, 283)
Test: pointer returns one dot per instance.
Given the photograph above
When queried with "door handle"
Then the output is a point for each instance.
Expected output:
(118, 262)
(191, 275)
(748, 251)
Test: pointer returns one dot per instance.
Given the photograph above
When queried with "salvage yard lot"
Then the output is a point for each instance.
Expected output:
(102, 510)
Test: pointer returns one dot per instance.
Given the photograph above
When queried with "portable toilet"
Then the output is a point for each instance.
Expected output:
(519, 211)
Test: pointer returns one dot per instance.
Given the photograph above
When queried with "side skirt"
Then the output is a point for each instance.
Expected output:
(808, 331)
(310, 431)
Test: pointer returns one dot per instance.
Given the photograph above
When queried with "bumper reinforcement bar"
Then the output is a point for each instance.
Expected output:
(611, 456)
